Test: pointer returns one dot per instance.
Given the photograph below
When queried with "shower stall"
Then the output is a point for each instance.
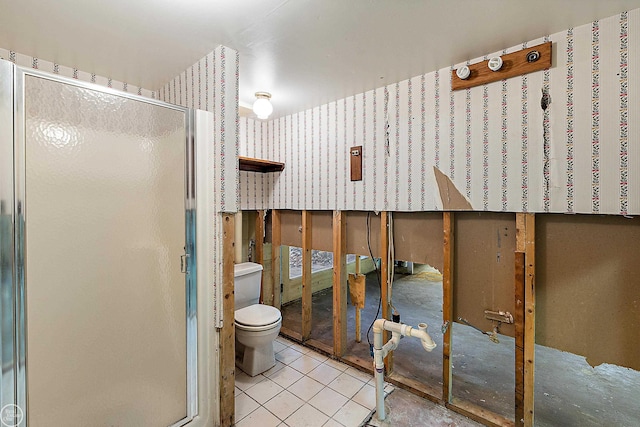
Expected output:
(103, 319)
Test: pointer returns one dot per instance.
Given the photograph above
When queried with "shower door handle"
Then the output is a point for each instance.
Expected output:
(183, 263)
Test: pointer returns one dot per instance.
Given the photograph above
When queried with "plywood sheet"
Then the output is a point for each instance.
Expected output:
(484, 267)
(291, 228)
(357, 233)
(418, 237)
(322, 238)
(588, 286)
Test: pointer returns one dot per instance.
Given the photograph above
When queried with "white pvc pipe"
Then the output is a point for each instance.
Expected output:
(380, 351)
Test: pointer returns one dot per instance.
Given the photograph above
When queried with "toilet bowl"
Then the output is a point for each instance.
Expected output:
(256, 325)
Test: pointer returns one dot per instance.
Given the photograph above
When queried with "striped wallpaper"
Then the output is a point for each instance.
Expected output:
(211, 84)
(73, 73)
(496, 144)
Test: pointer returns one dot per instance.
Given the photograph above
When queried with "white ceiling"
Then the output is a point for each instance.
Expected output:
(305, 52)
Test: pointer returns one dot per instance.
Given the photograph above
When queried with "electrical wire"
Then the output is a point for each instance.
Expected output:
(391, 259)
(375, 266)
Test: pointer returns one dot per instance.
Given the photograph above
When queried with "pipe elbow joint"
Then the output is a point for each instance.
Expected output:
(428, 345)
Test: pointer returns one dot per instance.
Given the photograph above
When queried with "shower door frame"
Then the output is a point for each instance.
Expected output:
(12, 244)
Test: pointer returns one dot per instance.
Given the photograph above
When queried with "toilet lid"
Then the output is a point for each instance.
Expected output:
(257, 315)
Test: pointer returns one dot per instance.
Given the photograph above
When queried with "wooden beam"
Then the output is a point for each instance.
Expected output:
(518, 320)
(514, 64)
(291, 334)
(276, 239)
(339, 283)
(479, 414)
(447, 302)
(227, 332)
(319, 346)
(384, 275)
(529, 319)
(259, 254)
(307, 293)
(416, 387)
(358, 309)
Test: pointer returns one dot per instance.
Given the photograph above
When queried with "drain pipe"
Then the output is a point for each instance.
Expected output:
(380, 351)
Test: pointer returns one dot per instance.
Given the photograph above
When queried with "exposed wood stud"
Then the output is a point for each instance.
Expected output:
(479, 414)
(358, 309)
(518, 318)
(227, 332)
(276, 239)
(447, 302)
(529, 319)
(307, 293)
(259, 253)
(384, 274)
(339, 283)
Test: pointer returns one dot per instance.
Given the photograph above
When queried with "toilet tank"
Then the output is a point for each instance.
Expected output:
(247, 278)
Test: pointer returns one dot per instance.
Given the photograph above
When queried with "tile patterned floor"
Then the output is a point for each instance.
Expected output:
(305, 389)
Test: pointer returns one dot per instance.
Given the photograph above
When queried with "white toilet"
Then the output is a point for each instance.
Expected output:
(257, 325)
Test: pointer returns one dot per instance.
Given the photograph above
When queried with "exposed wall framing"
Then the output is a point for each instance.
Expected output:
(227, 332)
(306, 275)
(447, 302)
(499, 251)
(259, 251)
(339, 284)
(275, 257)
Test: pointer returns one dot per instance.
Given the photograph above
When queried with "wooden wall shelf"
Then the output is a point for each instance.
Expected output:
(250, 164)
(514, 64)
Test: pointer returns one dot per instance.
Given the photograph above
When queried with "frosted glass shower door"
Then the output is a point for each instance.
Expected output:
(106, 324)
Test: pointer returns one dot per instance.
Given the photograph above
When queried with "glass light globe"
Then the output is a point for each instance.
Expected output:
(263, 108)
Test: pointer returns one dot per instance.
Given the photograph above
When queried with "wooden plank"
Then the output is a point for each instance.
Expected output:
(275, 257)
(227, 332)
(267, 275)
(339, 283)
(415, 387)
(259, 255)
(479, 414)
(514, 64)
(250, 164)
(384, 274)
(356, 163)
(358, 324)
(319, 346)
(291, 334)
(529, 319)
(518, 319)
(447, 302)
(307, 293)
(358, 309)
(359, 363)
(521, 232)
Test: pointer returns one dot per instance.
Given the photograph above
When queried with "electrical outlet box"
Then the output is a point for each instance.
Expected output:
(356, 163)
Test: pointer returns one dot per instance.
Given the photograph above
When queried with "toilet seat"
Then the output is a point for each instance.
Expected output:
(257, 317)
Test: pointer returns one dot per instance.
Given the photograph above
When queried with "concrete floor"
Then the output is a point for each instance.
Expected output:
(568, 391)
(408, 410)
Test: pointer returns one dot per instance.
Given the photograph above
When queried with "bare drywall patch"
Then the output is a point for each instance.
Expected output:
(452, 199)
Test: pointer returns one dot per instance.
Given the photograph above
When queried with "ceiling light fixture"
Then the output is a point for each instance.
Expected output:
(262, 106)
